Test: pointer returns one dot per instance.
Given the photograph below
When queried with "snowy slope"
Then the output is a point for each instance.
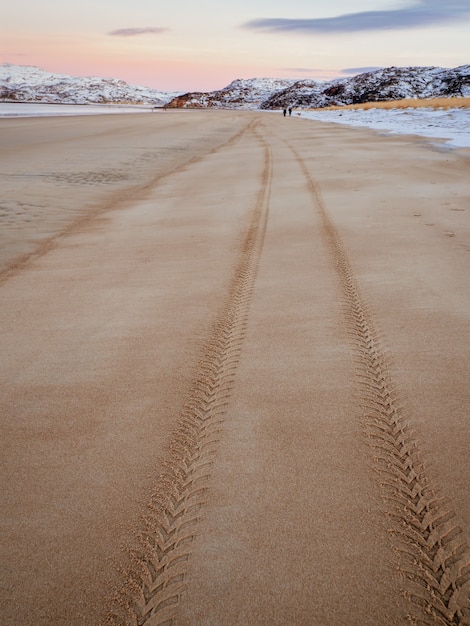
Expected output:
(451, 125)
(22, 83)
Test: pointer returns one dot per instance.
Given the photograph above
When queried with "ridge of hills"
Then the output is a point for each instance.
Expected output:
(31, 84)
(393, 83)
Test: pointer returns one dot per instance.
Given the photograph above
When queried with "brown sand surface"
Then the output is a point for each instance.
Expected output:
(234, 373)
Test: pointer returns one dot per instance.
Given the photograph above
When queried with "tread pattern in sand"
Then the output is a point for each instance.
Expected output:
(158, 579)
(433, 553)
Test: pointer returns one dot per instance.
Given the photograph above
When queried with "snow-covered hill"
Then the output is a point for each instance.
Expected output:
(392, 83)
(23, 83)
(240, 94)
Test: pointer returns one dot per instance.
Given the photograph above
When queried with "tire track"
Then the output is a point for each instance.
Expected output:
(158, 577)
(433, 553)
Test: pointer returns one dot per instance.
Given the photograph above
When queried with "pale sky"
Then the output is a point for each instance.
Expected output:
(186, 45)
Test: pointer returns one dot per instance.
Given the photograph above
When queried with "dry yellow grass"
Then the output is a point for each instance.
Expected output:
(435, 103)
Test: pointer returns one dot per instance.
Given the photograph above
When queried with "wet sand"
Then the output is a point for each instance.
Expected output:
(234, 359)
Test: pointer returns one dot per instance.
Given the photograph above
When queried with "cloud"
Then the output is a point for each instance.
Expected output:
(302, 70)
(135, 32)
(417, 15)
(329, 74)
(352, 71)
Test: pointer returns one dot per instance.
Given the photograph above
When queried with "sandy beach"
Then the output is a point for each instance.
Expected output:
(235, 367)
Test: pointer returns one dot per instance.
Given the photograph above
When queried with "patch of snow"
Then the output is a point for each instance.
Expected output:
(452, 125)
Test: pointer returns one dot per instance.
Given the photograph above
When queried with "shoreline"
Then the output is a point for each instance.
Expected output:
(450, 126)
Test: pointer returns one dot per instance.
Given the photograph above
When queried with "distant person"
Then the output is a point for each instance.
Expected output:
(290, 111)
(284, 111)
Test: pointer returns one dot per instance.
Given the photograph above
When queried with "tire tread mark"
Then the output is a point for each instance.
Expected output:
(434, 555)
(157, 579)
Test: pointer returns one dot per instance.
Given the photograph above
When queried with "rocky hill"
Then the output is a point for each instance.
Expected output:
(392, 83)
(240, 94)
(22, 83)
